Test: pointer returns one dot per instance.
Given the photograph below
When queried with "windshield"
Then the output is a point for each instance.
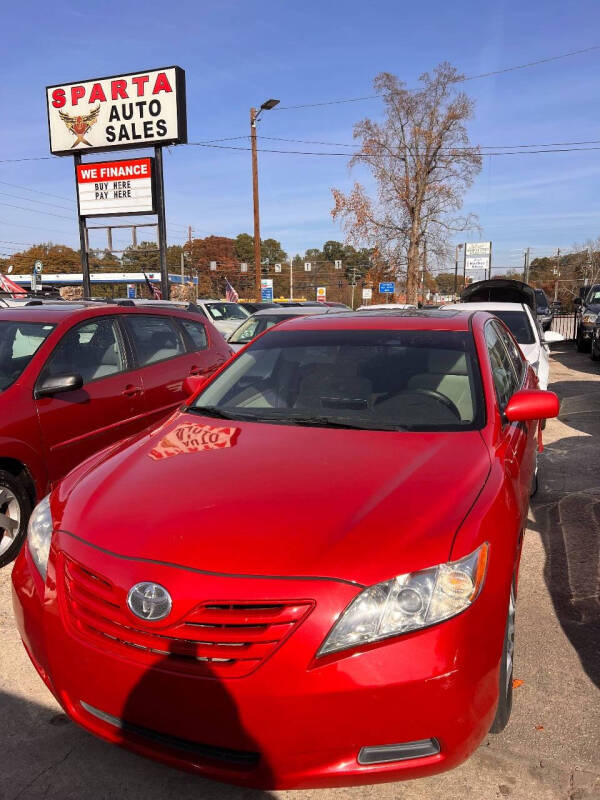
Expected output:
(222, 311)
(518, 324)
(378, 380)
(253, 326)
(19, 342)
(593, 296)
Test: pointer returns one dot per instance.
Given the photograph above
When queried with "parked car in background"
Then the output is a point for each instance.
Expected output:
(387, 307)
(389, 645)
(252, 308)
(225, 316)
(77, 377)
(587, 315)
(263, 320)
(543, 311)
(521, 322)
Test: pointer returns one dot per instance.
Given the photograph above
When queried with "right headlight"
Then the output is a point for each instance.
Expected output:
(589, 318)
(409, 602)
(39, 535)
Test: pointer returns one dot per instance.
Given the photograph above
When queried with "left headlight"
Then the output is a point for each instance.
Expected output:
(590, 319)
(409, 602)
(39, 535)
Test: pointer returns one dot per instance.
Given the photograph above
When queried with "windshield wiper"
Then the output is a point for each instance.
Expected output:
(326, 422)
(211, 411)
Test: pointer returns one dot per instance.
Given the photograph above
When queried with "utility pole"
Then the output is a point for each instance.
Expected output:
(557, 275)
(257, 272)
(182, 268)
(526, 266)
(353, 286)
(291, 279)
(458, 247)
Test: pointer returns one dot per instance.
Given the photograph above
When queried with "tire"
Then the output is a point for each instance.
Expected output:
(593, 353)
(579, 346)
(15, 510)
(505, 688)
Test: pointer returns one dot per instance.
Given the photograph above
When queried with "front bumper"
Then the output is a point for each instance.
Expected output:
(292, 721)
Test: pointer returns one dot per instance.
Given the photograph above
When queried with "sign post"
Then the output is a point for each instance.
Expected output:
(139, 109)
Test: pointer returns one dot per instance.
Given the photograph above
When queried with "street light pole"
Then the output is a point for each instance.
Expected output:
(254, 115)
(257, 254)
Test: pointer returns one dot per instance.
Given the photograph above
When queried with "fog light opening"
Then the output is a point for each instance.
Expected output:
(383, 754)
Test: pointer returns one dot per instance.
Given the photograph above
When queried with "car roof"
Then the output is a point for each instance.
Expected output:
(83, 309)
(491, 307)
(381, 320)
(295, 311)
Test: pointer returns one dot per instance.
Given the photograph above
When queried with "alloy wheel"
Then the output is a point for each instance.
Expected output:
(510, 640)
(10, 518)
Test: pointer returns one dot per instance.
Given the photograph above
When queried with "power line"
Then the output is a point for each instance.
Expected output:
(37, 191)
(358, 152)
(36, 211)
(461, 80)
(453, 149)
(33, 200)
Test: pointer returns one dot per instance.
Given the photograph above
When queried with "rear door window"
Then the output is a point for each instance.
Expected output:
(92, 349)
(155, 338)
(196, 333)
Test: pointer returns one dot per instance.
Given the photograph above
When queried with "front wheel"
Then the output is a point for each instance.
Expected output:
(506, 669)
(594, 354)
(15, 509)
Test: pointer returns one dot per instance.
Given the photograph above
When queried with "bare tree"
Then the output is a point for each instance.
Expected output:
(422, 161)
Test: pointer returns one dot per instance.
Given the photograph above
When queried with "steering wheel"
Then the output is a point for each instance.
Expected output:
(441, 398)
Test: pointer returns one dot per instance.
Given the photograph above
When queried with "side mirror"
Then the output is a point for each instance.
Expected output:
(56, 384)
(551, 337)
(193, 384)
(531, 404)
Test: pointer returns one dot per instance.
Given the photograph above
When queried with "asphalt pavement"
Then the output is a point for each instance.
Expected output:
(551, 747)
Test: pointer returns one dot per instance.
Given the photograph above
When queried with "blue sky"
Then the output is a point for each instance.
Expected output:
(237, 54)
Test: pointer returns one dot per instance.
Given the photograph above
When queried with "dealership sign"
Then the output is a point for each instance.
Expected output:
(116, 187)
(140, 109)
(478, 255)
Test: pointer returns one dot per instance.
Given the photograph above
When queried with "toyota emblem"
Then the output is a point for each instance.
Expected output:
(149, 601)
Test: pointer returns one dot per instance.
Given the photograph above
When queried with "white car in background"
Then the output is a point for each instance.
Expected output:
(225, 316)
(523, 325)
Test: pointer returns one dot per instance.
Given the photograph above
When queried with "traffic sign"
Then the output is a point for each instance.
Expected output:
(367, 294)
(321, 294)
(387, 287)
(38, 267)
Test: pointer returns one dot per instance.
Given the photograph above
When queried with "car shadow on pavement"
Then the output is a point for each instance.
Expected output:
(45, 755)
(566, 513)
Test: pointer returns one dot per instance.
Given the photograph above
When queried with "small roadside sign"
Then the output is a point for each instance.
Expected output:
(38, 267)
(34, 282)
(321, 294)
(387, 287)
(367, 294)
(266, 290)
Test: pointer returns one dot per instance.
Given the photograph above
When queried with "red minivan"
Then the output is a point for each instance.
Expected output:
(74, 378)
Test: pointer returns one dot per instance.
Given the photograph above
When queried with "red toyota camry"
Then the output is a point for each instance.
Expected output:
(307, 575)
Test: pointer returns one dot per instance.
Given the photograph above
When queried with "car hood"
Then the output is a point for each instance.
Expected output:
(227, 327)
(264, 499)
(499, 290)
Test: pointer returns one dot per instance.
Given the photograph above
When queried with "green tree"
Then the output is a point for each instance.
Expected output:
(272, 252)
(244, 248)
